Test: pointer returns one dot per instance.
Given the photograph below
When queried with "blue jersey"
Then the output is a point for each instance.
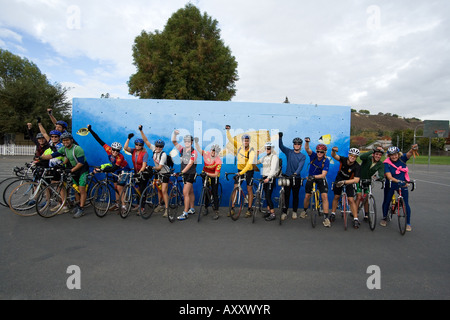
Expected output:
(316, 167)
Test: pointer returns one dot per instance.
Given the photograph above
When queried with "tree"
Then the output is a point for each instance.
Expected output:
(187, 60)
(25, 94)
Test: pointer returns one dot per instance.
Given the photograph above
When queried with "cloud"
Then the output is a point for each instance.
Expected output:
(380, 56)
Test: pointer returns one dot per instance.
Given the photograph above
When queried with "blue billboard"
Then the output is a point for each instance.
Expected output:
(114, 119)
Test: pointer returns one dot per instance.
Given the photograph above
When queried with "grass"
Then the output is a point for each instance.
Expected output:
(423, 159)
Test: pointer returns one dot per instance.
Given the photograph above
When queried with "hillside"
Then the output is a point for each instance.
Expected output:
(363, 122)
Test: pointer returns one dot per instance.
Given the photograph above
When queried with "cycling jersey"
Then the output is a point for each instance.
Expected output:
(212, 165)
(186, 157)
(139, 159)
(346, 171)
(316, 166)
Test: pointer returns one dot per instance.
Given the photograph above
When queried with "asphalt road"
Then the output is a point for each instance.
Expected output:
(223, 259)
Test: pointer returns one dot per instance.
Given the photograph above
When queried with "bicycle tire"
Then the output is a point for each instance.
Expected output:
(22, 199)
(206, 194)
(401, 213)
(236, 198)
(281, 204)
(258, 205)
(51, 200)
(344, 210)
(101, 199)
(6, 188)
(372, 212)
(148, 202)
(173, 204)
(313, 210)
(126, 196)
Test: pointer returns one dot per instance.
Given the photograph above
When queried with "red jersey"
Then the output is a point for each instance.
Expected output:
(211, 165)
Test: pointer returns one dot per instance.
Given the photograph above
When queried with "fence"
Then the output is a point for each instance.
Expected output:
(16, 150)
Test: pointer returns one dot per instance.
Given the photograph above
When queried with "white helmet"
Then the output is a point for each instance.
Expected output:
(354, 151)
(216, 148)
(116, 146)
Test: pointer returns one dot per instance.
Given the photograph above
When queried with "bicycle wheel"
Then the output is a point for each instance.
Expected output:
(258, 205)
(127, 196)
(204, 198)
(281, 205)
(344, 210)
(101, 199)
(236, 203)
(7, 186)
(148, 202)
(313, 209)
(174, 204)
(22, 199)
(372, 212)
(51, 200)
(401, 213)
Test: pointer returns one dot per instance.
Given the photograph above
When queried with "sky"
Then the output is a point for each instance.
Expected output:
(382, 56)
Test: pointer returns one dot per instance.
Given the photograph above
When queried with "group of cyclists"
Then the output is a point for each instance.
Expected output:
(59, 148)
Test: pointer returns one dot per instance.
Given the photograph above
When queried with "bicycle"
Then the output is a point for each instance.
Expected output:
(397, 207)
(102, 192)
(237, 197)
(176, 198)
(9, 184)
(130, 193)
(368, 200)
(22, 199)
(258, 202)
(315, 205)
(149, 199)
(206, 196)
(285, 181)
(61, 196)
(343, 204)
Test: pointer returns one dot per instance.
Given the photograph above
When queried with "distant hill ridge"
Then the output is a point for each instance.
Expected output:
(364, 122)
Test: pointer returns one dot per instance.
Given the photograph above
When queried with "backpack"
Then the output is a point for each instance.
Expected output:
(169, 159)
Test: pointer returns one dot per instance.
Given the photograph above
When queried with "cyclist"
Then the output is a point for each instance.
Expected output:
(117, 164)
(79, 168)
(349, 173)
(269, 172)
(294, 166)
(318, 168)
(211, 168)
(371, 165)
(139, 156)
(246, 163)
(188, 170)
(160, 160)
(396, 173)
(41, 145)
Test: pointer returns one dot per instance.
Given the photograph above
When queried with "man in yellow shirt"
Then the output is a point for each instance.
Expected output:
(246, 161)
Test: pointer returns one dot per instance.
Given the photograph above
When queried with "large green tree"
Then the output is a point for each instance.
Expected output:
(186, 61)
(25, 94)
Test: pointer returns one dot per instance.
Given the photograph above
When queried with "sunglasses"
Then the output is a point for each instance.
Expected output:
(115, 150)
(320, 151)
(138, 144)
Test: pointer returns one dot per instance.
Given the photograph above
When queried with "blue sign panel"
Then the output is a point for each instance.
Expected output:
(114, 119)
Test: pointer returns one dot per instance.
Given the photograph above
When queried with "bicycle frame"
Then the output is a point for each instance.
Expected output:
(237, 197)
(397, 206)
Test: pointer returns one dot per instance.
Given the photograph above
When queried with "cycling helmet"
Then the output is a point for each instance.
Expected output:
(139, 141)
(62, 123)
(159, 143)
(393, 150)
(116, 146)
(268, 145)
(297, 140)
(378, 150)
(66, 135)
(55, 133)
(188, 138)
(216, 148)
(40, 136)
(245, 136)
(354, 151)
(321, 147)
